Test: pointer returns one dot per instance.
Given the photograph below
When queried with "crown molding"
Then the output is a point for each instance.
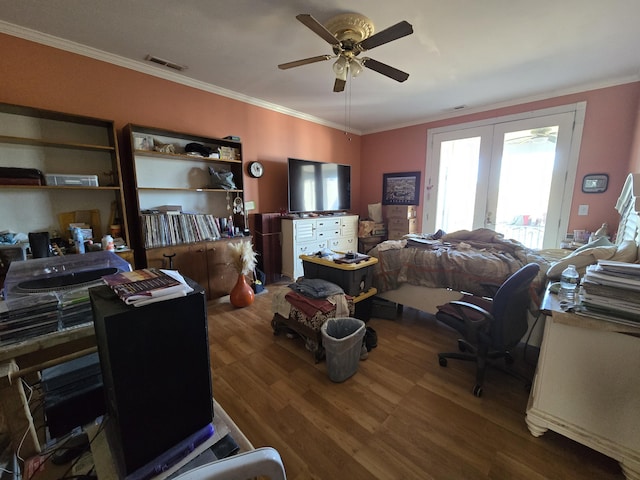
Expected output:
(148, 69)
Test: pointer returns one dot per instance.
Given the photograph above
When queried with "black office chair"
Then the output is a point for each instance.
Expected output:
(490, 327)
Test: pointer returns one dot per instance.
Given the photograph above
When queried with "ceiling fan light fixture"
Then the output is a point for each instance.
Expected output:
(355, 67)
(340, 66)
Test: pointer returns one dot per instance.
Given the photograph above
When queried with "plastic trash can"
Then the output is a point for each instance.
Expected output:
(342, 341)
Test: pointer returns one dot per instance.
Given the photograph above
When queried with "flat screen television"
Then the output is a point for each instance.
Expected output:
(318, 187)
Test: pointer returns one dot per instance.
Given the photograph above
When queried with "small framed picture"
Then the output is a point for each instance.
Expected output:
(142, 142)
(595, 183)
(401, 188)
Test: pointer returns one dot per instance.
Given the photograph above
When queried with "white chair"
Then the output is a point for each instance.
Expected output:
(264, 461)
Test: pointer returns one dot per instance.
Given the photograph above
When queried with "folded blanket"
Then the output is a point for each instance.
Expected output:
(310, 306)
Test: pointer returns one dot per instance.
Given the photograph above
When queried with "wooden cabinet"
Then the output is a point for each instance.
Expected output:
(221, 273)
(165, 174)
(80, 168)
(307, 236)
(267, 235)
(207, 263)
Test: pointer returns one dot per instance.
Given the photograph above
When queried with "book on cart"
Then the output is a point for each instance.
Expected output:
(147, 285)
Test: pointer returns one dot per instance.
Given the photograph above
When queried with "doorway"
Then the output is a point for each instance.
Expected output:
(514, 175)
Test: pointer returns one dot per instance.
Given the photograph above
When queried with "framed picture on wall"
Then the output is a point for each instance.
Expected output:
(401, 188)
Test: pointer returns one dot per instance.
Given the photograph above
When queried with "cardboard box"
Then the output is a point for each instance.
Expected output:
(396, 234)
(399, 211)
(407, 225)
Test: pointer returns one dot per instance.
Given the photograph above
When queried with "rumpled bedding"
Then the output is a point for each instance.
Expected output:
(466, 261)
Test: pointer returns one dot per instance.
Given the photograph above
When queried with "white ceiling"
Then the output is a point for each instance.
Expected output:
(476, 53)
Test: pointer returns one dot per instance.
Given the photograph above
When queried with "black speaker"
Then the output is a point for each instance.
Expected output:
(156, 373)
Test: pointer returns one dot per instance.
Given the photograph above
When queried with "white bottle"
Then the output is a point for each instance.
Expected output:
(569, 282)
(78, 240)
(107, 243)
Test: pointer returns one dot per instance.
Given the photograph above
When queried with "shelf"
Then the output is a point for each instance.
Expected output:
(158, 178)
(49, 143)
(179, 156)
(58, 143)
(176, 189)
(57, 187)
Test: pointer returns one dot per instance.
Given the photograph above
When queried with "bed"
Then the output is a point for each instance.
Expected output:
(422, 273)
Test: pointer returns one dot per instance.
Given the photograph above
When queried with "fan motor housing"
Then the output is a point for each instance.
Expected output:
(350, 27)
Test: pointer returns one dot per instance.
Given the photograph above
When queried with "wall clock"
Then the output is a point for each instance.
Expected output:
(256, 170)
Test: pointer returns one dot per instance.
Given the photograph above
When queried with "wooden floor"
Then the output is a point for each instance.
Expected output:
(401, 416)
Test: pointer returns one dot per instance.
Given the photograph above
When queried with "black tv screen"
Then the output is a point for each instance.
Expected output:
(318, 187)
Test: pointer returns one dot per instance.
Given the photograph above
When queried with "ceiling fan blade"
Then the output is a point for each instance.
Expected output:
(338, 86)
(318, 28)
(399, 30)
(384, 69)
(304, 61)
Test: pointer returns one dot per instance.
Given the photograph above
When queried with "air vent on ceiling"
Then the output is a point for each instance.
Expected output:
(165, 63)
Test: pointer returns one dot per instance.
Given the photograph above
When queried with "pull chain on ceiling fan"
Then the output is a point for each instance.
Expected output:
(349, 35)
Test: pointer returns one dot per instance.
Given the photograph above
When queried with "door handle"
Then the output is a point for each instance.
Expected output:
(488, 220)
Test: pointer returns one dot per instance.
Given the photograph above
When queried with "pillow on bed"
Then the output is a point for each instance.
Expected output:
(627, 252)
(582, 260)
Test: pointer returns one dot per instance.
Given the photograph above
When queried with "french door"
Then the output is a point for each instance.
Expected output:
(512, 174)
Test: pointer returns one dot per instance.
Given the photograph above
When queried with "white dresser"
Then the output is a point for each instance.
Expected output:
(307, 236)
(587, 385)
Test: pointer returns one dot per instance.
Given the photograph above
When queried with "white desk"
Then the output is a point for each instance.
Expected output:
(587, 385)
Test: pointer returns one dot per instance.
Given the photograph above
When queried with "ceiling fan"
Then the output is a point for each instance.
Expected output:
(350, 34)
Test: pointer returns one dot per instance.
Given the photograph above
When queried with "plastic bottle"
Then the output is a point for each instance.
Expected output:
(107, 243)
(569, 282)
(78, 240)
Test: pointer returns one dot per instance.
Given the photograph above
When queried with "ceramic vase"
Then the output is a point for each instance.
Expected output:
(242, 295)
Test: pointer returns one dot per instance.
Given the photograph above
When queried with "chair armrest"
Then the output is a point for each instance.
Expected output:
(472, 324)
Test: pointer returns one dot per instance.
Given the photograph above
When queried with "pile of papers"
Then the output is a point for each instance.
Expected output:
(611, 291)
(147, 285)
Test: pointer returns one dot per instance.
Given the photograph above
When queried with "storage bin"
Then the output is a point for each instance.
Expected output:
(354, 280)
(382, 308)
(342, 341)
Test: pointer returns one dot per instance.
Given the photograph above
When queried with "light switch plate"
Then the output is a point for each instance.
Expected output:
(583, 210)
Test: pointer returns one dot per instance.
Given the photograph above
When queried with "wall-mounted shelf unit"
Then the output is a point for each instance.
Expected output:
(80, 152)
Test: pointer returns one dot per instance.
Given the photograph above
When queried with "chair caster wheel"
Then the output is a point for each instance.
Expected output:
(461, 346)
(477, 391)
(442, 361)
(508, 358)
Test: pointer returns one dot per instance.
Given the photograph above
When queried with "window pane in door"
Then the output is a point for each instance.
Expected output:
(525, 182)
(457, 183)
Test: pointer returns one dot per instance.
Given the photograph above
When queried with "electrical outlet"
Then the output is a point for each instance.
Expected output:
(583, 210)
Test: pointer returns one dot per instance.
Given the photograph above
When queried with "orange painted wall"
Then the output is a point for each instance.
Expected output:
(609, 129)
(45, 77)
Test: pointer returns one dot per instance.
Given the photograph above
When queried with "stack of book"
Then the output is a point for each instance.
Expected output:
(147, 285)
(611, 291)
